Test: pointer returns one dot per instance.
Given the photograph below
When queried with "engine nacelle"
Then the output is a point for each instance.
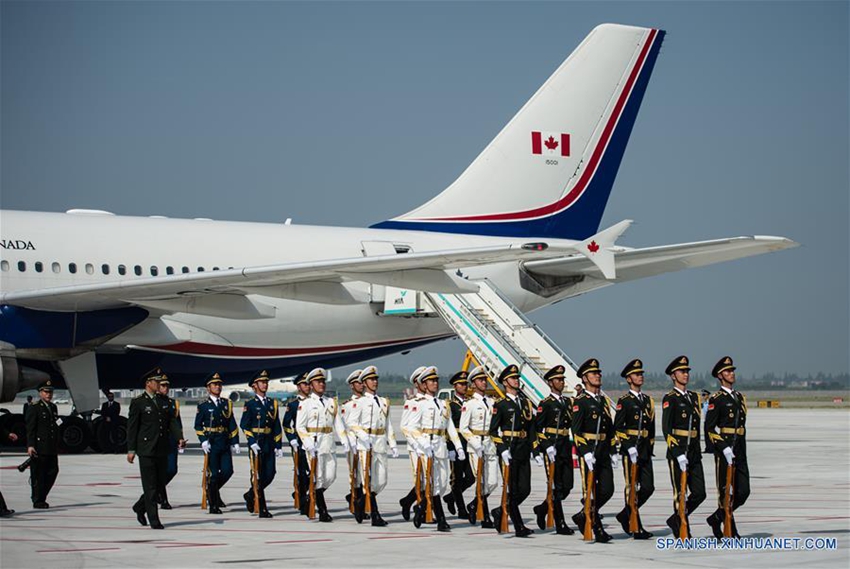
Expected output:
(15, 378)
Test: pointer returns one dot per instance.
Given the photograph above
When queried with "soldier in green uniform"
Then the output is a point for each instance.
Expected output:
(172, 409)
(554, 419)
(680, 424)
(461, 476)
(634, 425)
(43, 445)
(593, 429)
(512, 430)
(725, 436)
(148, 427)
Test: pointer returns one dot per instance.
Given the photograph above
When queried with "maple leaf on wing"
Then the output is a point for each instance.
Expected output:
(593, 247)
(551, 143)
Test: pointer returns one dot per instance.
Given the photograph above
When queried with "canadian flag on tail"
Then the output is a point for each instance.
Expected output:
(550, 143)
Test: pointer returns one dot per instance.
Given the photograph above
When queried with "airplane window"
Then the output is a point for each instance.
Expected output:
(89, 269)
(104, 268)
(154, 270)
(72, 268)
(22, 266)
(169, 270)
(215, 268)
(38, 267)
(56, 267)
(138, 270)
(4, 266)
(122, 270)
(200, 269)
(185, 269)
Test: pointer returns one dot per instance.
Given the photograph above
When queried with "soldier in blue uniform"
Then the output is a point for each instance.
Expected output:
(216, 428)
(289, 417)
(172, 409)
(261, 424)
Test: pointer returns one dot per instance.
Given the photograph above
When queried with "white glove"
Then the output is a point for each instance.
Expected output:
(205, 446)
(452, 455)
(236, 448)
(394, 451)
(479, 452)
(352, 441)
(345, 447)
(633, 455)
(460, 454)
(683, 462)
(278, 452)
(313, 452)
(256, 448)
(294, 444)
(428, 451)
(551, 452)
(538, 460)
(615, 460)
(589, 460)
(506, 456)
(730, 456)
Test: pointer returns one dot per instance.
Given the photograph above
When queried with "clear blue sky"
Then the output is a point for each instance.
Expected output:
(350, 113)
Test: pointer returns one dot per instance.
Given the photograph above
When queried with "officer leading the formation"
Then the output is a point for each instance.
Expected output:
(461, 476)
(680, 424)
(554, 420)
(43, 424)
(634, 425)
(149, 427)
(593, 428)
(726, 436)
(218, 434)
(261, 425)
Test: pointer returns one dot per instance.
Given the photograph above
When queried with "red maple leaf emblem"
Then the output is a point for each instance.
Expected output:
(551, 143)
(593, 247)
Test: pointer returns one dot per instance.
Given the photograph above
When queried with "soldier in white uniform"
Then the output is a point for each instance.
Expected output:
(369, 419)
(474, 427)
(350, 447)
(406, 503)
(430, 423)
(315, 424)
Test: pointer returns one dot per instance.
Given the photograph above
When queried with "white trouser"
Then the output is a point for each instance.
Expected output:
(491, 472)
(378, 474)
(325, 470)
(440, 473)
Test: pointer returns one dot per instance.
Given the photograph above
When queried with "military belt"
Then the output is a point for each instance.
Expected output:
(514, 434)
(636, 433)
(379, 431)
(479, 433)
(732, 431)
(554, 431)
(684, 433)
(265, 431)
(319, 430)
(215, 430)
(595, 437)
(439, 432)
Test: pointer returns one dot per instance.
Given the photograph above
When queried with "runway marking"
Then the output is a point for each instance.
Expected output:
(400, 536)
(173, 545)
(78, 550)
(300, 541)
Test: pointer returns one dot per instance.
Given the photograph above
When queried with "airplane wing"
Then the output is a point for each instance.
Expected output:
(420, 271)
(632, 264)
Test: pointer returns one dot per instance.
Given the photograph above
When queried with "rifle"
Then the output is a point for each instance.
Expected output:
(311, 507)
(589, 497)
(429, 470)
(367, 469)
(479, 499)
(418, 484)
(730, 477)
(683, 482)
(352, 476)
(550, 471)
(295, 469)
(506, 478)
(255, 478)
(633, 513)
(205, 481)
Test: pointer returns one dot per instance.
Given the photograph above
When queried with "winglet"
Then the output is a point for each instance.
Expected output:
(597, 248)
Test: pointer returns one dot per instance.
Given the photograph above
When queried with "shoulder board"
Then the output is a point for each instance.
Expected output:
(582, 395)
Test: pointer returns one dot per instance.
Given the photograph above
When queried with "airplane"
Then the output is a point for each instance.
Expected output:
(93, 300)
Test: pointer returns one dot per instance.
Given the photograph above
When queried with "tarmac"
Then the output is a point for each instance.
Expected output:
(799, 461)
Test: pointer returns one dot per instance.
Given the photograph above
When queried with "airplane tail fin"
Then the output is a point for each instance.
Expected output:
(549, 172)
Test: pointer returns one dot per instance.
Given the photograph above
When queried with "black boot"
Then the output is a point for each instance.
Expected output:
(497, 518)
(715, 520)
(673, 524)
(139, 510)
(164, 504)
(450, 503)
(520, 529)
(377, 520)
(623, 518)
(359, 508)
(212, 497)
(486, 523)
(462, 512)
(264, 511)
(419, 514)
(406, 503)
(540, 511)
(324, 516)
(471, 510)
(600, 533)
(578, 520)
(249, 500)
(440, 515)
(561, 527)
(735, 533)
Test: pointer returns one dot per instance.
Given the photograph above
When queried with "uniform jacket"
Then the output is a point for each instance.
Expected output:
(679, 412)
(553, 423)
(261, 424)
(456, 408)
(110, 410)
(289, 418)
(593, 425)
(476, 413)
(215, 423)
(150, 425)
(430, 423)
(316, 422)
(726, 421)
(405, 421)
(344, 413)
(42, 429)
(635, 424)
(369, 420)
(512, 426)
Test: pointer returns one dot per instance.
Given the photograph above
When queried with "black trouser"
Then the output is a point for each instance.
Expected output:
(562, 484)
(603, 484)
(303, 479)
(154, 471)
(519, 487)
(3, 506)
(461, 479)
(43, 472)
(645, 480)
(695, 483)
(740, 482)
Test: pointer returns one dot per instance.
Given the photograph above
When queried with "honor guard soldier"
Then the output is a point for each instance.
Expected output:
(430, 423)
(149, 427)
(511, 429)
(216, 428)
(474, 427)
(593, 429)
(43, 424)
(725, 436)
(634, 425)
(370, 423)
(315, 424)
(172, 408)
(261, 425)
(680, 424)
(349, 445)
(413, 452)
(554, 419)
(461, 477)
(299, 457)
